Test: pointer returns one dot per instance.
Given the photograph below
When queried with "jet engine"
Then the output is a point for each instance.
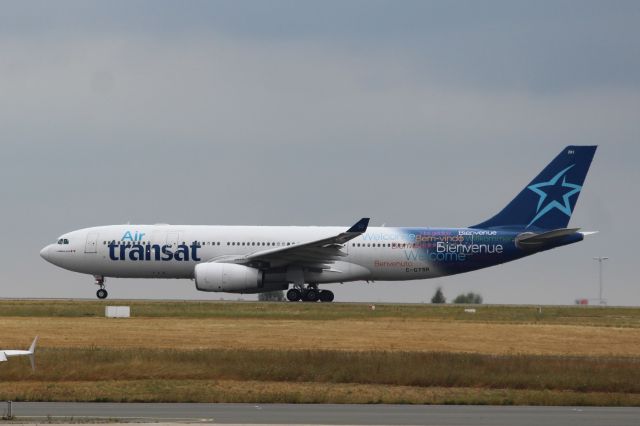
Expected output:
(228, 277)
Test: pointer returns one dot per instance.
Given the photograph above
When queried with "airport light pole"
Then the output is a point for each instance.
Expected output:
(600, 259)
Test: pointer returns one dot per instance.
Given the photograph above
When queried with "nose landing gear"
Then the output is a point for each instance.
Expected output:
(101, 293)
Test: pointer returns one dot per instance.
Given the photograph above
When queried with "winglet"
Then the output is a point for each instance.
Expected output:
(360, 227)
(32, 348)
(32, 353)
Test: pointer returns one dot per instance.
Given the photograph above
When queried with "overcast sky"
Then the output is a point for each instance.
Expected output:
(317, 113)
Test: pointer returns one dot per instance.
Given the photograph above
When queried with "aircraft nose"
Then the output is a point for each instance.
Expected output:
(44, 253)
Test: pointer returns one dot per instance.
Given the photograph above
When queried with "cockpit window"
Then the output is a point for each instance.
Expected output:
(60, 241)
(63, 241)
(66, 241)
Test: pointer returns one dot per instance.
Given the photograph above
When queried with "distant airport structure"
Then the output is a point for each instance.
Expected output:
(256, 259)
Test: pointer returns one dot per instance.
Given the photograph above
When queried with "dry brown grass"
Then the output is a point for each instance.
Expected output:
(353, 335)
(308, 392)
(244, 352)
(424, 369)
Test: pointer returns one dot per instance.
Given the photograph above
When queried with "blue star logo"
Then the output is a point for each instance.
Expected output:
(554, 189)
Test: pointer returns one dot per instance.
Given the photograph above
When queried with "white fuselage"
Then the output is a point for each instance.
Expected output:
(172, 251)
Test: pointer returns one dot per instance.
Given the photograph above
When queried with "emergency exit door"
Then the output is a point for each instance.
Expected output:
(91, 245)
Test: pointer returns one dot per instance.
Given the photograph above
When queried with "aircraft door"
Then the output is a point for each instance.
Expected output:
(159, 238)
(172, 239)
(91, 246)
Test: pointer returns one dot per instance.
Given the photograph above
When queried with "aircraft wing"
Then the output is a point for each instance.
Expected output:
(3, 357)
(319, 253)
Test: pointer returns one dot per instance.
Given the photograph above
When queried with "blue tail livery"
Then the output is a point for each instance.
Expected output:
(548, 201)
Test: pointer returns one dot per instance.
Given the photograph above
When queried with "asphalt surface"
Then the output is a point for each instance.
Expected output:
(328, 414)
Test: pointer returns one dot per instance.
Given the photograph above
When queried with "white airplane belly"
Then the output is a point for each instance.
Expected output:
(339, 272)
(394, 265)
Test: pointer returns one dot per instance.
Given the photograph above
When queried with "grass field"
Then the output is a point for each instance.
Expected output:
(565, 315)
(279, 352)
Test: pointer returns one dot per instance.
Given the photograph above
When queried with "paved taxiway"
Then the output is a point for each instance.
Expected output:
(330, 414)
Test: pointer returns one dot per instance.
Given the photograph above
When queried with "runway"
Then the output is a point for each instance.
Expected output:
(326, 414)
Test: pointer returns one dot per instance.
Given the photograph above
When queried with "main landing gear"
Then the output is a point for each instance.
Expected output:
(309, 294)
(101, 293)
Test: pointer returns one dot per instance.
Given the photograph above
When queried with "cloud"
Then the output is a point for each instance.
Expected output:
(428, 116)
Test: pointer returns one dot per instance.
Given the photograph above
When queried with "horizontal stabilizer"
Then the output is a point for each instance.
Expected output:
(531, 239)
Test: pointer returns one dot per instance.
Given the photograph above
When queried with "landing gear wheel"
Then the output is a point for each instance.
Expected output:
(102, 293)
(326, 296)
(294, 295)
(311, 295)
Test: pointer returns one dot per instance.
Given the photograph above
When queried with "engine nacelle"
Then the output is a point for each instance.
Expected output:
(228, 277)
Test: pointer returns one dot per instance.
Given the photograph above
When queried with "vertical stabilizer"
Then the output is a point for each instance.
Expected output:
(548, 201)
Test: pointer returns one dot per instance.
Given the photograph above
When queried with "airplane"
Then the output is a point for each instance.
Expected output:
(255, 259)
(5, 354)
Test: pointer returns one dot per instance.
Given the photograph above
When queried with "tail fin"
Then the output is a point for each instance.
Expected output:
(548, 201)
(32, 353)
